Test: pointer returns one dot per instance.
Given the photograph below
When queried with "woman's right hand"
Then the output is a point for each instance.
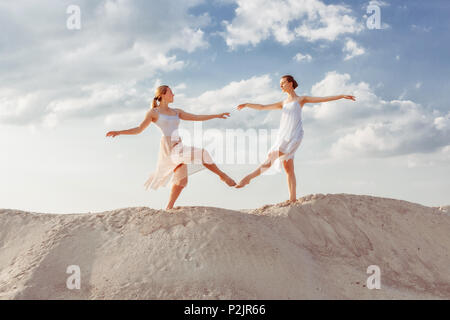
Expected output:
(241, 106)
(344, 96)
(112, 134)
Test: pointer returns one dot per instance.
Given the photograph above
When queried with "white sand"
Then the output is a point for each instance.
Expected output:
(317, 248)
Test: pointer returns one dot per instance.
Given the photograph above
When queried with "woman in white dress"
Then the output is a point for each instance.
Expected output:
(290, 134)
(175, 160)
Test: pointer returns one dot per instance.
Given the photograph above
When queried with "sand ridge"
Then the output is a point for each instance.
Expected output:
(316, 248)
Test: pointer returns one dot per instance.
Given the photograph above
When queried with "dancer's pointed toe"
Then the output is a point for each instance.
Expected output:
(243, 183)
(230, 182)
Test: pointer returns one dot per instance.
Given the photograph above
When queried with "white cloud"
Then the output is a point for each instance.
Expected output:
(352, 49)
(52, 71)
(258, 20)
(442, 123)
(407, 132)
(95, 97)
(257, 89)
(131, 119)
(180, 86)
(300, 57)
(366, 140)
(372, 126)
(418, 85)
(343, 111)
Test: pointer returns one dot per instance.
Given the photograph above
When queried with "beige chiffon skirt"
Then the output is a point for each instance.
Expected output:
(172, 153)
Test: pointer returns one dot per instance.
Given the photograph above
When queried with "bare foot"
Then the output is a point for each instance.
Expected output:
(173, 208)
(243, 182)
(230, 182)
(286, 203)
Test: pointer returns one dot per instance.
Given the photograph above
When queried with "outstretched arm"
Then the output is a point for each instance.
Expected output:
(149, 117)
(307, 99)
(273, 106)
(203, 117)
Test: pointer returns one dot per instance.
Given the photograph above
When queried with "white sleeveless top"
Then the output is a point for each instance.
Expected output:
(291, 126)
(168, 123)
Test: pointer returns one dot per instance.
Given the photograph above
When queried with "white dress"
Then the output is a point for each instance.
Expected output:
(290, 133)
(172, 153)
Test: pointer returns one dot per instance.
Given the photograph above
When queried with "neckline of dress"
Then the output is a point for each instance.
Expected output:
(291, 102)
(168, 115)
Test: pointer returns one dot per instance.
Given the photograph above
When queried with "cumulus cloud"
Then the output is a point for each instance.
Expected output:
(131, 118)
(443, 123)
(52, 71)
(314, 20)
(302, 57)
(372, 126)
(343, 112)
(258, 89)
(352, 49)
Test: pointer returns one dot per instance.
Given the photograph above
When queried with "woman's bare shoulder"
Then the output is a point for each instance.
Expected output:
(153, 113)
(301, 100)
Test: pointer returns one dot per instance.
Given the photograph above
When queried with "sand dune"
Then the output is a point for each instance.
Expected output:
(317, 248)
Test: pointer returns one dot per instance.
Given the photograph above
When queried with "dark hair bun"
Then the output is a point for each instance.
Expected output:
(291, 79)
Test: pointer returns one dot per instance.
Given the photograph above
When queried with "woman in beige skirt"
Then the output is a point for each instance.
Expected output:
(175, 160)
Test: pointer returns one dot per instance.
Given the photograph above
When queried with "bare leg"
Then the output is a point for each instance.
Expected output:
(177, 188)
(210, 165)
(175, 192)
(289, 168)
(263, 167)
(222, 175)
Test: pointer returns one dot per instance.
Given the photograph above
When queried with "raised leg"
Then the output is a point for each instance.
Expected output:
(263, 167)
(210, 165)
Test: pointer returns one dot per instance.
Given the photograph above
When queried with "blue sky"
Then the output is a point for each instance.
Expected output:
(61, 90)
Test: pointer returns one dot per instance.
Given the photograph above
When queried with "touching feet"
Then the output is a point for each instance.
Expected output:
(243, 182)
(230, 182)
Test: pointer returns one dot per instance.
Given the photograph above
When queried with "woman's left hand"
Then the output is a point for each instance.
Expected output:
(223, 115)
